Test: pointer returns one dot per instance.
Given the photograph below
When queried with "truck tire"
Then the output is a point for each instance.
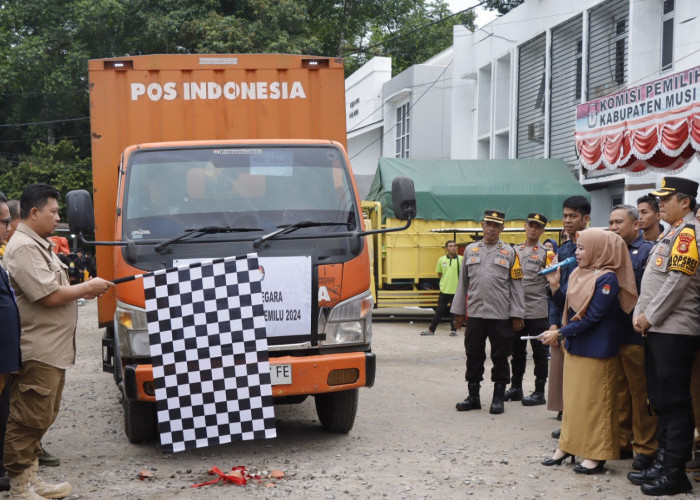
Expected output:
(139, 421)
(337, 410)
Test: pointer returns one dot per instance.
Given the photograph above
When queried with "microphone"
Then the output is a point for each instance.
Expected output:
(564, 263)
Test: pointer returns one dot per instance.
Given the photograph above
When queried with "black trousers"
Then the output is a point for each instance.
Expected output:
(669, 360)
(500, 334)
(442, 310)
(539, 350)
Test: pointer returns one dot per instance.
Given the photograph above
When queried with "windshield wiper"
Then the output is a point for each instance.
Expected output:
(288, 228)
(162, 247)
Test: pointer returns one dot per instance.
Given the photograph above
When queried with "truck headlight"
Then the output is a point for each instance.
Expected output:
(349, 322)
(132, 328)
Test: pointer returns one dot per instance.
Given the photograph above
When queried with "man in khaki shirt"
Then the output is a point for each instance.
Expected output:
(48, 316)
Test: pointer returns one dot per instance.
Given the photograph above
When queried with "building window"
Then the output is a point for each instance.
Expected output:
(539, 102)
(667, 35)
(402, 124)
(620, 42)
(608, 28)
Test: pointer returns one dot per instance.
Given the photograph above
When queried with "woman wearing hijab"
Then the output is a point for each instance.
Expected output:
(551, 245)
(601, 292)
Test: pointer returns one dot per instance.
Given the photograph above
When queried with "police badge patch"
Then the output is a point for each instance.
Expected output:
(684, 253)
(516, 272)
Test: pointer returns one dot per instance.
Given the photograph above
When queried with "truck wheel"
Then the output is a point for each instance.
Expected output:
(139, 421)
(337, 410)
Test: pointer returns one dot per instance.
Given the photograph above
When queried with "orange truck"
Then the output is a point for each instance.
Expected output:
(197, 157)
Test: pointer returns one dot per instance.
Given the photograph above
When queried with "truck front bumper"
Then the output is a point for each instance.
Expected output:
(309, 375)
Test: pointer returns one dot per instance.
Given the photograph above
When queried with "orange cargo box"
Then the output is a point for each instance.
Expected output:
(159, 98)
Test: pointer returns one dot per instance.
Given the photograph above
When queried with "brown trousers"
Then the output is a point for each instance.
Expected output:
(637, 426)
(555, 398)
(35, 398)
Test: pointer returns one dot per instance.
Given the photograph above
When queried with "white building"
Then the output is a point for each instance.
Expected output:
(400, 117)
(364, 115)
(516, 82)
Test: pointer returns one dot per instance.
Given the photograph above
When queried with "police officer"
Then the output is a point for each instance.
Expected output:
(490, 285)
(637, 425)
(533, 258)
(667, 313)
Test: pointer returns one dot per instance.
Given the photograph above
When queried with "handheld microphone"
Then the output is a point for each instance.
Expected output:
(564, 263)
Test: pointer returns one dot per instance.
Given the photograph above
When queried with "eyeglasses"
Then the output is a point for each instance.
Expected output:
(6, 221)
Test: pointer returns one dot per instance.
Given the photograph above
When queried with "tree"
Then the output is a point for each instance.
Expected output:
(410, 32)
(45, 46)
(502, 6)
(60, 165)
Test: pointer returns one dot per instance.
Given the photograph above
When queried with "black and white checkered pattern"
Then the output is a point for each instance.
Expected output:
(207, 337)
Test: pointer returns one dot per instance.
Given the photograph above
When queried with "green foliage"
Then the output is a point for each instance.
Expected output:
(410, 33)
(502, 6)
(59, 165)
(45, 46)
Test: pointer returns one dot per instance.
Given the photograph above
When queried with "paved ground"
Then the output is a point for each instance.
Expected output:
(408, 440)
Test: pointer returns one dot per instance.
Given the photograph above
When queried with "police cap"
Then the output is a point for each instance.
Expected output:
(673, 185)
(538, 218)
(494, 216)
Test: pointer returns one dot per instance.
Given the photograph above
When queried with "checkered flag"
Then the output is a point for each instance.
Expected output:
(207, 336)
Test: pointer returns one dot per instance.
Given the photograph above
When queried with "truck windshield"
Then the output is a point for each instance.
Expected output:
(169, 190)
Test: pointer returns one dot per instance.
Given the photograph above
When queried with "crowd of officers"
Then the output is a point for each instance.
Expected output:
(503, 296)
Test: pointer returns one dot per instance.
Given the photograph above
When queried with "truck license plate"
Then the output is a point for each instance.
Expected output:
(281, 374)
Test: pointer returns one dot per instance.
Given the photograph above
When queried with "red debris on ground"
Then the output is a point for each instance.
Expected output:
(240, 475)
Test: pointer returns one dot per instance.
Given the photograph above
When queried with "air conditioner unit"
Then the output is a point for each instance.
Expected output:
(535, 131)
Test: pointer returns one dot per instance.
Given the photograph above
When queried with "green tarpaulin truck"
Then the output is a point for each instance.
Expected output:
(452, 196)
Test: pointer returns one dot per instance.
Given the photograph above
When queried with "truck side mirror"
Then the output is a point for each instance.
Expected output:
(403, 198)
(81, 218)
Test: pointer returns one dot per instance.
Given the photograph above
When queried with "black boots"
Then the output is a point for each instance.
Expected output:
(499, 393)
(472, 402)
(515, 393)
(672, 481)
(646, 476)
(537, 397)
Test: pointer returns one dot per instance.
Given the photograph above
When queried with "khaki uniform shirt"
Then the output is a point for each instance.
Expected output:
(533, 259)
(491, 282)
(48, 333)
(671, 281)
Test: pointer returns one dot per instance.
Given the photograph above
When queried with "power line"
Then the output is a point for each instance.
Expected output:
(58, 92)
(414, 30)
(63, 120)
(56, 138)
